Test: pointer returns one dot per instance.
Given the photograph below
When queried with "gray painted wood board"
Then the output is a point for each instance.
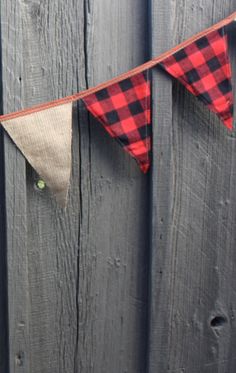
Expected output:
(82, 293)
(192, 305)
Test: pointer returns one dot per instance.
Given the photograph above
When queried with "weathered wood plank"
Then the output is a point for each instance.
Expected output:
(161, 192)
(113, 265)
(3, 272)
(77, 279)
(3, 259)
(193, 255)
(49, 248)
(16, 222)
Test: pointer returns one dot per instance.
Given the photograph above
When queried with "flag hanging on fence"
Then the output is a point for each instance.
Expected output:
(44, 138)
(123, 106)
(203, 67)
(124, 110)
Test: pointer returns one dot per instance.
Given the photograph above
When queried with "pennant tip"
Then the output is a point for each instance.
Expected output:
(144, 167)
(229, 124)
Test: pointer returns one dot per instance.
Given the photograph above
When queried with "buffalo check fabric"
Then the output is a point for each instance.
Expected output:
(203, 67)
(124, 110)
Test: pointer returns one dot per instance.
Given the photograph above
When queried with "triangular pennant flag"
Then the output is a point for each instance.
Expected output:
(203, 67)
(44, 138)
(124, 110)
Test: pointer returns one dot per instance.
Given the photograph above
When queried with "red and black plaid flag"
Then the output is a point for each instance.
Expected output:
(124, 110)
(203, 67)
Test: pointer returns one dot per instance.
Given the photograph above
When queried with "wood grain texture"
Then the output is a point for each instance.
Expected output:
(113, 241)
(77, 279)
(3, 269)
(161, 192)
(193, 304)
(3, 259)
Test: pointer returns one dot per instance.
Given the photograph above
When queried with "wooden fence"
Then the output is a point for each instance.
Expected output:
(138, 274)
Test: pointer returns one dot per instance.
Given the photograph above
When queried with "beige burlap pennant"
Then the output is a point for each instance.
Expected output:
(44, 138)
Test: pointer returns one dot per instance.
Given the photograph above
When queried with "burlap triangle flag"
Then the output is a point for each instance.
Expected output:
(44, 138)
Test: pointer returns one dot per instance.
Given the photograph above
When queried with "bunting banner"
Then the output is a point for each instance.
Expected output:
(203, 67)
(124, 110)
(123, 106)
(44, 138)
